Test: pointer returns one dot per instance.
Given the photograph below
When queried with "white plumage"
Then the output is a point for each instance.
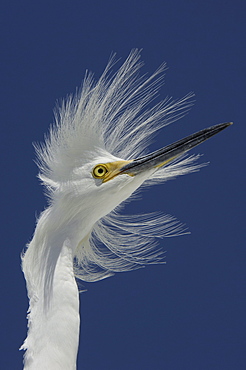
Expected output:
(82, 234)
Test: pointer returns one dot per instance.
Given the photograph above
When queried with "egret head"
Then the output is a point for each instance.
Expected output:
(95, 158)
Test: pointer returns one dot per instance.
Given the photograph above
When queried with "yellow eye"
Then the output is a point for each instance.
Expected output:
(99, 171)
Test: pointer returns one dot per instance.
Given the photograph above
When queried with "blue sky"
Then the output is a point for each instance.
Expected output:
(189, 313)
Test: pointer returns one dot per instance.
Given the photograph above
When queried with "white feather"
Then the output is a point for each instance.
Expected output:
(105, 121)
(111, 115)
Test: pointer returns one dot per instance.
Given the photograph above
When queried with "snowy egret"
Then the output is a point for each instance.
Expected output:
(88, 165)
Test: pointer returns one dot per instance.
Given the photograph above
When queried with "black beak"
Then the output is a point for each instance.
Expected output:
(165, 155)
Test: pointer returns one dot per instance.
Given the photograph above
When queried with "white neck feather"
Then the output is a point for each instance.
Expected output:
(53, 335)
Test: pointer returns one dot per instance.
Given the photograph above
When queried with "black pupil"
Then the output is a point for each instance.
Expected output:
(100, 170)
